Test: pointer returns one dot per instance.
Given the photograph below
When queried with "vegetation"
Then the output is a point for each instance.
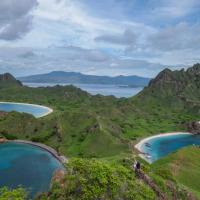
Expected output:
(183, 166)
(89, 179)
(100, 131)
(15, 194)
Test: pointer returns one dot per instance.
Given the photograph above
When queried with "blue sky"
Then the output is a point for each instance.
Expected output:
(107, 37)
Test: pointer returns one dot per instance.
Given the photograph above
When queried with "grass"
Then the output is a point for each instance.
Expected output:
(91, 126)
(103, 128)
(184, 167)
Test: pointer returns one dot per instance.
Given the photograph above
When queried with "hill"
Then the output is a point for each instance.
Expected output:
(105, 128)
(73, 77)
(7, 80)
(170, 101)
(183, 166)
(106, 125)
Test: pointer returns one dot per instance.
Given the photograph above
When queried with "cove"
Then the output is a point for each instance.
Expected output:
(156, 147)
(33, 109)
(28, 166)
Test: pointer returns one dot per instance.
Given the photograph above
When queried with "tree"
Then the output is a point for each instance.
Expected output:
(14, 194)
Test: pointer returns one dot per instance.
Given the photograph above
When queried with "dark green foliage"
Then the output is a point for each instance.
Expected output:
(15, 194)
(90, 179)
(101, 127)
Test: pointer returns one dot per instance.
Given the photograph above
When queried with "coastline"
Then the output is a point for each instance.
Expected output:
(139, 145)
(49, 149)
(50, 110)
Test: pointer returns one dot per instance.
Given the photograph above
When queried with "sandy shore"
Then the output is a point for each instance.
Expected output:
(52, 151)
(50, 110)
(139, 145)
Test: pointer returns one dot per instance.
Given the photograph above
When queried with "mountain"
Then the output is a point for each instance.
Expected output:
(168, 103)
(101, 130)
(73, 77)
(8, 80)
(183, 84)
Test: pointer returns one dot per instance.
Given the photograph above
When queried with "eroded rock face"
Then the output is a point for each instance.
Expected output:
(195, 70)
(194, 127)
(59, 176)
(182, 83)
(7, 78)
(164, 76)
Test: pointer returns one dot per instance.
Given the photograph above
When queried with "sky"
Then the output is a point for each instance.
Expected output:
(106, 37)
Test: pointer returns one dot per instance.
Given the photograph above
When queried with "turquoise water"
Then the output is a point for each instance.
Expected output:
(162, 146)
(26, 165)
(35, 110)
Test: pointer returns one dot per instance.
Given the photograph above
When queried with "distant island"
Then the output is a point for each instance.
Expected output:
(79, 78)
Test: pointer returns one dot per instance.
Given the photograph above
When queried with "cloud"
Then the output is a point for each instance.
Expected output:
(180, 37)
(108, 37)
(24, 61)
(15, 18)
(174, 9)
(78, 53)
(127, 38)
(14, 53)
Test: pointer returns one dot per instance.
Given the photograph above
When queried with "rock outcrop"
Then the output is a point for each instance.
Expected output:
(194, 127)
(164, 76)
(182, 84)
(179, 77)
(2, 140)
(8, 80)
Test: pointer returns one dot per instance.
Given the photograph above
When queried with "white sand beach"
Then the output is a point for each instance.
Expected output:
(139, 145)
(49, 110)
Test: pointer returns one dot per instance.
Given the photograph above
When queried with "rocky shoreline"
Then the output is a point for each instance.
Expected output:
(2, 140)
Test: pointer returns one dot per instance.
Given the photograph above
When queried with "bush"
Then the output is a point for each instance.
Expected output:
(15, 194)
(91, 179)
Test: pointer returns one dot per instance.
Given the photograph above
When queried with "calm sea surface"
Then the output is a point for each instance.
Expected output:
(116, 90)
(35, 110)
(28, 166)
(162, 146)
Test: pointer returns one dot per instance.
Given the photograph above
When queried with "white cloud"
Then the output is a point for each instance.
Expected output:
(129, 39)
(15, 18)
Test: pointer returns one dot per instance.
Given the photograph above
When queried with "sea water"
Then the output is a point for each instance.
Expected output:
(28, 166)
(158, 147)
(35, 110)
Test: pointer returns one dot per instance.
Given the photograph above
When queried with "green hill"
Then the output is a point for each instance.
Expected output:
(105, 128)
(7, 80)
(170, 101)
(99, 126)
(184, 167)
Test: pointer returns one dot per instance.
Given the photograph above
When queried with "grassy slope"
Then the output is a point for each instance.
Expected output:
(96, 126)
(184, 166)
(79, 126)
